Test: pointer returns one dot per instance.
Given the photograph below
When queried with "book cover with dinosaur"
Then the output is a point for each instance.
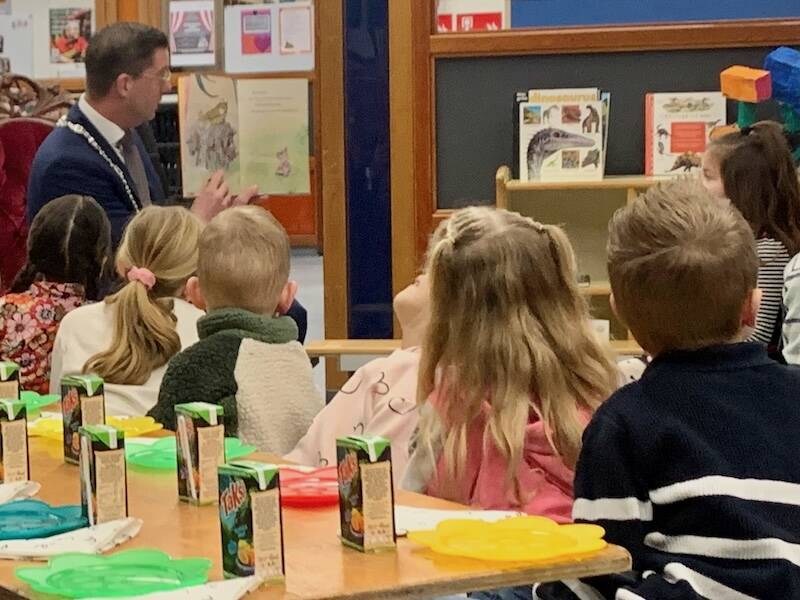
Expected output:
(255, 130)
(561, 141)
(678, 126)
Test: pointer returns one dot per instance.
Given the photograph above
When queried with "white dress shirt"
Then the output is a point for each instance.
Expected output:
(107, 128)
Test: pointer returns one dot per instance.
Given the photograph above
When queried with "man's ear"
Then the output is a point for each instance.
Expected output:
(123, 85)
(750, 308)
(287, 297)
(194, 294)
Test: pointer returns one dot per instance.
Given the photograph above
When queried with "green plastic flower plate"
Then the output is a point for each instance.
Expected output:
(162, 455)
(127, 573)
(34, 402)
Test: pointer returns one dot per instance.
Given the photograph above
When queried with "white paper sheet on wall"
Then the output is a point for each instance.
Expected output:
(269, 38)
(16, 44)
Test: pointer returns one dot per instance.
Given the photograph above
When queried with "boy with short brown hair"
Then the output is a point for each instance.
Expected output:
(247, 359)
(693, 468)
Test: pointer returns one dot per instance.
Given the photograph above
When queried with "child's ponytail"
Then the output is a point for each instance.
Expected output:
(158, 254)
(761, 181)
(144, 337)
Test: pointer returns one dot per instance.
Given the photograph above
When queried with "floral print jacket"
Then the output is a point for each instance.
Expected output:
(28, 326)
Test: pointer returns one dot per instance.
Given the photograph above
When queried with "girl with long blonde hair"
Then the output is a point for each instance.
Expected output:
(510, 367)
(129, 338)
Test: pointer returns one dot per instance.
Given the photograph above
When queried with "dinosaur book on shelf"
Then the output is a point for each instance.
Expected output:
(255, 130)
(561, 135)
(678, 126)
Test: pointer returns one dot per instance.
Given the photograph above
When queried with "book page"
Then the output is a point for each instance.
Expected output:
(209, 131)
(274, 145)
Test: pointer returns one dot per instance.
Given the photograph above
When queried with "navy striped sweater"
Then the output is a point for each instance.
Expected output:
(695, 469)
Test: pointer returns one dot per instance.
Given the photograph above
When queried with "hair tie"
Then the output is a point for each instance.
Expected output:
(143, 276)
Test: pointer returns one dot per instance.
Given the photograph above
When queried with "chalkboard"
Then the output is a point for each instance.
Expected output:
(475, 100)
(558, 13)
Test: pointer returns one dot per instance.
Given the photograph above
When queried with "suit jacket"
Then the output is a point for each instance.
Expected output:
(67, 164)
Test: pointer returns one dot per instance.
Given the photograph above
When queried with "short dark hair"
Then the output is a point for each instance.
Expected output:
(117, 49)
(69, 242)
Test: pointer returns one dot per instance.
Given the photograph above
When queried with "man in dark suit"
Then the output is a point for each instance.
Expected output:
(95, 151)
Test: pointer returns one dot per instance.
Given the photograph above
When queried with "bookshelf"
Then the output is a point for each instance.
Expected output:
(583, 209)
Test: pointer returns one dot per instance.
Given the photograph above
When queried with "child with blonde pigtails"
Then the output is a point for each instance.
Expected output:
(511, 370)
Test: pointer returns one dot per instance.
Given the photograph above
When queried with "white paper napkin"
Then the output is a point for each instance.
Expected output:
(18, 490)
(410, 518)
(91, 540)
(231, 589)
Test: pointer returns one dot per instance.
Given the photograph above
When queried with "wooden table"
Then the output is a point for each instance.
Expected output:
(317, 564)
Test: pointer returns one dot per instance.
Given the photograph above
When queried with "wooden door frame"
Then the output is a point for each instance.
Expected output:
(414, 47)
(330, 52)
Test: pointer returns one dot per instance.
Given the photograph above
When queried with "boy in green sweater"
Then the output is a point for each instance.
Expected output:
(248, 358)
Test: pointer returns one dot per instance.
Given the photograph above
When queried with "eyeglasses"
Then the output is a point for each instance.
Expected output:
(165, 75)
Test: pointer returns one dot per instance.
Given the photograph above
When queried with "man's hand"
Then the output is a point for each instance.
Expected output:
(216, 197)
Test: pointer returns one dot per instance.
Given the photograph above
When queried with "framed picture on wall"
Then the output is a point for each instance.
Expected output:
(61, 33)
(192, 27)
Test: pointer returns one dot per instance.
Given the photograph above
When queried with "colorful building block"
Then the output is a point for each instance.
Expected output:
(746, 84)
(784, 65)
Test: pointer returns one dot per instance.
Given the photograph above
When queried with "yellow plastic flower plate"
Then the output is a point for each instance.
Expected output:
(517, 539)
(134, 426)
(53, 427)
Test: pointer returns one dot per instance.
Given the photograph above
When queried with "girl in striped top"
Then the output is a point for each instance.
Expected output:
(754, 169)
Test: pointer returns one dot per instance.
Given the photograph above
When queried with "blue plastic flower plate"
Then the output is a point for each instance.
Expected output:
(33, 519)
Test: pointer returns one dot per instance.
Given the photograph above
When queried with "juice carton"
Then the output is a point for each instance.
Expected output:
(82, 403)
(200, 439)
(14, 462)
(104, 481)
(366, 494)
(9, 379)
(250, 520)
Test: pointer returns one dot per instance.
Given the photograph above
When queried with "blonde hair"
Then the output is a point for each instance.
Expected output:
(164, 241)
(244, 260)
(508, 326)
(681, 267)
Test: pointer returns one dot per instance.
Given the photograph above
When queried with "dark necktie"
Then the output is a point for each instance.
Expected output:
(133, 160)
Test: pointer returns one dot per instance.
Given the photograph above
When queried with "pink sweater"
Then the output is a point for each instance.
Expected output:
(379, 399)
(545, 480)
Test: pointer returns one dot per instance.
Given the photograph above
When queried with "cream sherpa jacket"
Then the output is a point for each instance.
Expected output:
(253, 366)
